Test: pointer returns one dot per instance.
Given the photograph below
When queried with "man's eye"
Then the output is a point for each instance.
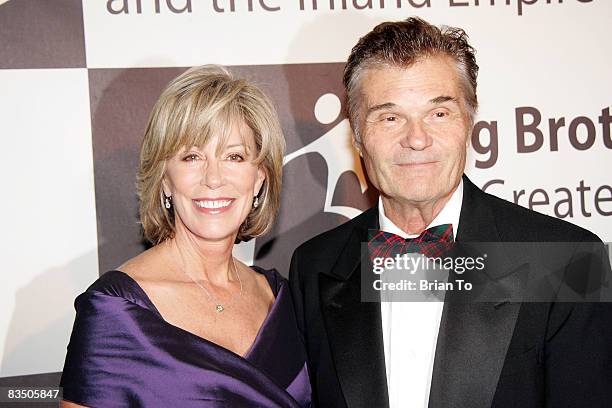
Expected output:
(390, 118)
(440, 114)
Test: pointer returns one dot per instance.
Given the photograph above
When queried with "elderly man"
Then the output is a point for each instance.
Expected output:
(411, 99)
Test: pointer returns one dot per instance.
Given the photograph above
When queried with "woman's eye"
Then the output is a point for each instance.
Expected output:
(235, 157)
(191, 157)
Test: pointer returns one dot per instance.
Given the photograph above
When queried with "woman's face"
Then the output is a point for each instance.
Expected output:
(213, 187)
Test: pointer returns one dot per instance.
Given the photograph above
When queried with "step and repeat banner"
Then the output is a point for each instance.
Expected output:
(78, 79)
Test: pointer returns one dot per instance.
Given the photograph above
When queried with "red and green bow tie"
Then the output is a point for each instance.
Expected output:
(433, 242)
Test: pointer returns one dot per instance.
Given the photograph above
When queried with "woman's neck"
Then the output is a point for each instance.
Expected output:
(210, 261)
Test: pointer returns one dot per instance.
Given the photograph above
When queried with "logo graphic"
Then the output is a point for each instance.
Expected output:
(336, 149)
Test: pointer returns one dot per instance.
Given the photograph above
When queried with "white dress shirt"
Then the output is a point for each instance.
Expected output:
(410, 329)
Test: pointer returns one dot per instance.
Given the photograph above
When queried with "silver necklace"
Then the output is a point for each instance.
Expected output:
(219, 307)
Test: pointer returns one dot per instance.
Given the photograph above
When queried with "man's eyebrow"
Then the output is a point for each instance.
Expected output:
(441, 99)
(379, 107)
(389, 105)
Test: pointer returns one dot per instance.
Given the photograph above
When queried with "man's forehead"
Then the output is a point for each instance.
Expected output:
(432, 81)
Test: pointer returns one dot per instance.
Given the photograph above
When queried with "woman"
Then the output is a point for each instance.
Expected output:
(185, 324)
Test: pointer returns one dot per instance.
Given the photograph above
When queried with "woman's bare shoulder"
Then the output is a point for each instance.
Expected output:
(146, 266)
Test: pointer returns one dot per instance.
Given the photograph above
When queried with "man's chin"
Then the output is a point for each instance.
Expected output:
(413, 195)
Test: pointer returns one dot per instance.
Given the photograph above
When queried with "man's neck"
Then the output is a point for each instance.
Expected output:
(414, 218)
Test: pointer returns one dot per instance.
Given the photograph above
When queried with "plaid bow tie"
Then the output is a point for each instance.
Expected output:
(432, 242)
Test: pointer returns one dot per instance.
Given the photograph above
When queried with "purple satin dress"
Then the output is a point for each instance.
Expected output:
(122, 353)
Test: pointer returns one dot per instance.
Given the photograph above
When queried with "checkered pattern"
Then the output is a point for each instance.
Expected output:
(433, 242)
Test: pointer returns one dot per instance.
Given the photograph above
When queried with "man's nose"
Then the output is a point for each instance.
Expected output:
(415, 136)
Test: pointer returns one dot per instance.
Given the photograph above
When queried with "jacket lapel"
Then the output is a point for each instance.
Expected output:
(354, 328)
(474, 336)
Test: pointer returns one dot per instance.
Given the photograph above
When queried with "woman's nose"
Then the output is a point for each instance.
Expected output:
(213, 174)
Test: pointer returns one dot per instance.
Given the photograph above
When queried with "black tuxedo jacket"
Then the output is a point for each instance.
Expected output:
(501, 354)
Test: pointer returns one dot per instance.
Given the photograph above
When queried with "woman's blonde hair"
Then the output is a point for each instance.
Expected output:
(201, 103)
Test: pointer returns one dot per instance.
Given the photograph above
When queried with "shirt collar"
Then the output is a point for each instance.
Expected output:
(449, 215)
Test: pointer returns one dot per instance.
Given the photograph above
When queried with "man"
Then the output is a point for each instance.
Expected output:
(411, 99)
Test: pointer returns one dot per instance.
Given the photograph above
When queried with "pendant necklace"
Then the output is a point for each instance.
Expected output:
(219, 307)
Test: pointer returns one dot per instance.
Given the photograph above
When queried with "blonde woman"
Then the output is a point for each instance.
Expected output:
(184, 323)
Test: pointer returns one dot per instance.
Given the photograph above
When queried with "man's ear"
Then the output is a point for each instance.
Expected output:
(357, 146)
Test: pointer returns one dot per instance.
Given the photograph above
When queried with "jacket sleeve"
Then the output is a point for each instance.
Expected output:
(578, 350)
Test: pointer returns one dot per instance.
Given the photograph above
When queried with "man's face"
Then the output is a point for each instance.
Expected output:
(414, 130)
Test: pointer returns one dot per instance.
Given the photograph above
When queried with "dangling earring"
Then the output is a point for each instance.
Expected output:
(167, 202)
(256, 202)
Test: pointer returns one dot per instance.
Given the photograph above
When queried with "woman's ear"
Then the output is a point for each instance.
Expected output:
(261, 177)
(165, 183)
(165, 188)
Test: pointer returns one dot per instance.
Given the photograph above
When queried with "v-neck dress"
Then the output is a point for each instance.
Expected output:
(122, 353)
